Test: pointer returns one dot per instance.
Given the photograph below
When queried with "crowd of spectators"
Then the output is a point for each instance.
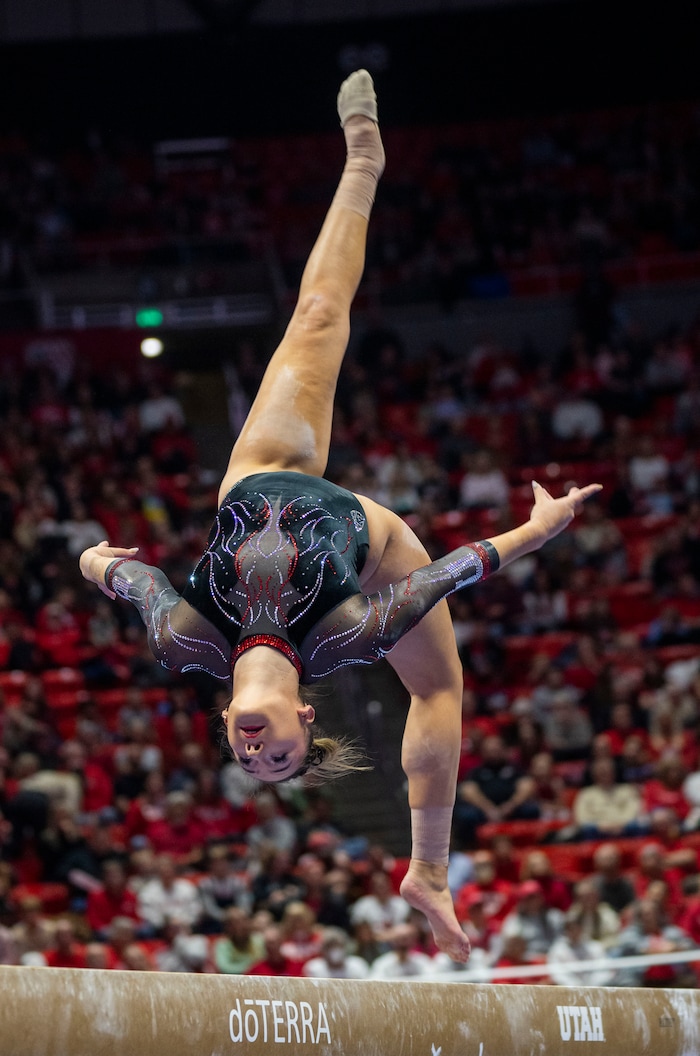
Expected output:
(130, 841)
(128, 837)
(461, 210)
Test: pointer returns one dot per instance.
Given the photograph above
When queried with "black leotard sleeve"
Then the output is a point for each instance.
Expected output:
(365, 627)
(360, 630)
(179, 637)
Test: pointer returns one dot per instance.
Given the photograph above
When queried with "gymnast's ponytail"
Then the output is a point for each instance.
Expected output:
(329, 758)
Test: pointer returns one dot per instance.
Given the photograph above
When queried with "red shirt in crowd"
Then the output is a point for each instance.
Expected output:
(498, 899)
(103, 906)
(178, 840)
(72, 958)
(98, 790)
(219, 820)
(658, 795)
(278, 968)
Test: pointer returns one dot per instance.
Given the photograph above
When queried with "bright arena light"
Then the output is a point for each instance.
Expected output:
(151, 347)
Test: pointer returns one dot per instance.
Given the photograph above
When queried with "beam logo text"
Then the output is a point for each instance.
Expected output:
(580, 1023)
(279, 1022)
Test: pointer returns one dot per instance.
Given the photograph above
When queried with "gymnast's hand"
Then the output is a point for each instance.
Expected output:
(551, 516)
(96, 559)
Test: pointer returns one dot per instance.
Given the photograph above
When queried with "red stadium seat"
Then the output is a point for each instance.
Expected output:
(521, 648)
(54, 897)
(669, 654)
(61, 680)
(522, 833)
(12, 684)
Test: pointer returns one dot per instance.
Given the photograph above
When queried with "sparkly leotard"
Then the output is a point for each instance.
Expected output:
(282, 568)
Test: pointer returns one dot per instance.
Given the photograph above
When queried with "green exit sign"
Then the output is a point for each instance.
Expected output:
(147, 317)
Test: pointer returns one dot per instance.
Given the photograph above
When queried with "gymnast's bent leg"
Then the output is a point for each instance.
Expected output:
(289, 425)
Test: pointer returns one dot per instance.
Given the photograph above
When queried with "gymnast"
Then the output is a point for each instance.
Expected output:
(301, 577)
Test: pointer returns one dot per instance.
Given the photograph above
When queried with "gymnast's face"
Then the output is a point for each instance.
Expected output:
(269, 737)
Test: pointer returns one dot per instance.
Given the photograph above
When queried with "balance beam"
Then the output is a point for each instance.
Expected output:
(73, 1012)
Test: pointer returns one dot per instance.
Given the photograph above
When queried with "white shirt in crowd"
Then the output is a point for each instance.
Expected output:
(391, 966)
(158, 904)
(350, 967)
(379, 915)
(563, 953)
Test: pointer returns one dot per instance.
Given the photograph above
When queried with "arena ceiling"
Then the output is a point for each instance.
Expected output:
(37, 20)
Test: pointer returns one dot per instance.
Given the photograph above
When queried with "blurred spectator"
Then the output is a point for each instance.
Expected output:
(381, 908)
(483, 485)
(274, 961)
(606, 808)
(497, 893)
(179, 833)
(110, 899)
(504, 858)
(614, 888)
(184, 952)
(599, 541)
(550, 791)
(545, 605)
(8, 947)
(649, 473)
(65, 950)
(576, 418)
(220, 888)
(334, 960)
(160, 410)
(480, 929)
(665, 828)
(272, 827)
(33, 932)
(665, 789)
(674, 560)
(647, 934)
(568, 729)
(148, 807)
(653, 867)
(513, 954)
(168, 896)
(122, 936)
(402, 961)
(218, 819)
(65, 849)
(667, 735)
(670, 628)
(532, 920)
(635, 765)
(599, 921)
(536, 865)
(274, 881)
(301, 936)
(97, 956)
(572, 947)
(240, 946)
(139, 743)
(334, 907)
(136, 959)
(689, 920)
(494, 791)
(97, 793)
(691, 792)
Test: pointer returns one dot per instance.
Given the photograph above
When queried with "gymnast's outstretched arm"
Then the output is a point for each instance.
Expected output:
(366, 627)
(179, 637)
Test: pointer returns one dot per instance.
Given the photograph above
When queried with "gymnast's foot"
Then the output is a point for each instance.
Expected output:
(357, 109)
(425, 888)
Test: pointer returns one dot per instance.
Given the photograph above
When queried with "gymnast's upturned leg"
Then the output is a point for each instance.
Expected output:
(289, 424)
